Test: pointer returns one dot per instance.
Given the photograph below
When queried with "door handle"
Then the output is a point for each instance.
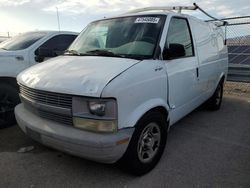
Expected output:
(158, 68)
(197, 72)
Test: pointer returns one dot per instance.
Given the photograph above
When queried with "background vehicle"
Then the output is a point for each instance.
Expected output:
(21, 52)
(123, 83)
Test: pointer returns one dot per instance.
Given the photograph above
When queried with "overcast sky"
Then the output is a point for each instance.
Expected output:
(25, 15)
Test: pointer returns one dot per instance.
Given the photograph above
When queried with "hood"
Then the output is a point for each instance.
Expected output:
(85, 75)
(9, 53)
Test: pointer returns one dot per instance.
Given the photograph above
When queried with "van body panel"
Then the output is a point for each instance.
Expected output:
(133, 87)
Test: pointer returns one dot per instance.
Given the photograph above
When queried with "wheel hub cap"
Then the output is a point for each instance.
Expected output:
(149, 142)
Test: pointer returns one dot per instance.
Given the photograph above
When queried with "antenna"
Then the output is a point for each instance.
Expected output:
(58, 20)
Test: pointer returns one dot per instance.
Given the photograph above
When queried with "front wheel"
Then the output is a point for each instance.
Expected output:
(8, 100)
(147, 144)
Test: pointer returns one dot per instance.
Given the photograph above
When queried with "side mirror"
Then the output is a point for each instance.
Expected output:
(45, 52)
(174, 51)
(41, 53)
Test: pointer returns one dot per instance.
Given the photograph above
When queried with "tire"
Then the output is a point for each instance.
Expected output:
(214, 103)
(144, 150)
(8, 100)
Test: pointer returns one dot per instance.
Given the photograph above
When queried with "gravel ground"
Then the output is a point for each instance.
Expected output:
(204, 149)
(237, 89)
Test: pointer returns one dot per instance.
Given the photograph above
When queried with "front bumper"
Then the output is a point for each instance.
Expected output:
(94, 146)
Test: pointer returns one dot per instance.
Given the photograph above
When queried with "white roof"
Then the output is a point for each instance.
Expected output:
(53, 32)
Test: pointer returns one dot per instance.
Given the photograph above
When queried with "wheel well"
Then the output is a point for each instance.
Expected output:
(222, 79)
(9, 80)
(160, 109)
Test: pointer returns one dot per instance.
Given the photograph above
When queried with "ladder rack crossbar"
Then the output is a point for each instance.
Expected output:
(165, 8)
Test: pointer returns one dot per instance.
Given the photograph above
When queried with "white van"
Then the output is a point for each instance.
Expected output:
(124, 81)
(21, 52)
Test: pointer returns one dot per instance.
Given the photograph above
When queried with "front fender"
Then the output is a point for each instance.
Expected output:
(137, 90)
(142, 109)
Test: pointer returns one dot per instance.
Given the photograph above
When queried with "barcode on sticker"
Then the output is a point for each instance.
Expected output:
(147, 20)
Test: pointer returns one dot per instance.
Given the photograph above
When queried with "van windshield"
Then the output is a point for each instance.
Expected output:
(22, 41)
(129, 37)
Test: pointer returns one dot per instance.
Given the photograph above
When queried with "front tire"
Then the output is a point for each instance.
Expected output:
(8, 100)
(147, 144)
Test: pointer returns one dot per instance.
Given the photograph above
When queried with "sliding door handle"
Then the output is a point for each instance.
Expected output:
(197, 72)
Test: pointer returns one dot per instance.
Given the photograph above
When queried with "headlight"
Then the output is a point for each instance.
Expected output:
(97, 108)
(99, 115)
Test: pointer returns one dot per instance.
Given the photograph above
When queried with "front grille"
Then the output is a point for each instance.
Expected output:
(67, 120)
(45, 97)
(48, 98)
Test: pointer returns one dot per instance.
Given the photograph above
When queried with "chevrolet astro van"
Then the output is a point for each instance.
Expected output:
(123, 82)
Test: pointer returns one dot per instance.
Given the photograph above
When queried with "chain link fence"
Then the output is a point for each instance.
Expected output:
(237, 32)
(238, 40)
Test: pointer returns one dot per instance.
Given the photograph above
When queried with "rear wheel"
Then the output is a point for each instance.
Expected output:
(147, 144)
(8, 100)
(214, 103)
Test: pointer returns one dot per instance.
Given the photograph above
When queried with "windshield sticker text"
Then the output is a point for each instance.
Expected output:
(147, 20)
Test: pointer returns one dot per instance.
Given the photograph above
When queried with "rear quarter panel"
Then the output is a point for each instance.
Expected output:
(212, 54)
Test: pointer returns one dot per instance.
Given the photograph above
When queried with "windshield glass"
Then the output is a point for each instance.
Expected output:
(22, 41)
(129, 37)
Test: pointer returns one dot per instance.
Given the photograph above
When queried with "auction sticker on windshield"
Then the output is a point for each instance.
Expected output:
(147, 20)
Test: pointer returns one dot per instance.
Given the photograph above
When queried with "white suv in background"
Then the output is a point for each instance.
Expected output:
(123, 82)
(21, 52)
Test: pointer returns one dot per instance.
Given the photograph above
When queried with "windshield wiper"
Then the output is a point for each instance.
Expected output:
(135, 56)
(103, 53)
(107, 53)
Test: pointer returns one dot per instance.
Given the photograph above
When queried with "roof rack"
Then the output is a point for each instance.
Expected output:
(179, 9)
(167, 8)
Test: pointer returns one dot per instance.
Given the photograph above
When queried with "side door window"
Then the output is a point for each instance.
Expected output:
(179, 33)
(54, 46)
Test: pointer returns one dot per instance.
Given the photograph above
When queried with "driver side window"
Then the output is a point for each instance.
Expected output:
(179, 33)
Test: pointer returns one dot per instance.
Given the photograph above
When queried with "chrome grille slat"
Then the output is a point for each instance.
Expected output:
(44, 96)
(46, 99)
(63, 101)
(50, 98)
(30, 90)
(38, 95)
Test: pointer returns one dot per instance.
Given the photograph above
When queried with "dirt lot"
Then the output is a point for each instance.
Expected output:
(237, 89)
(205, 149)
